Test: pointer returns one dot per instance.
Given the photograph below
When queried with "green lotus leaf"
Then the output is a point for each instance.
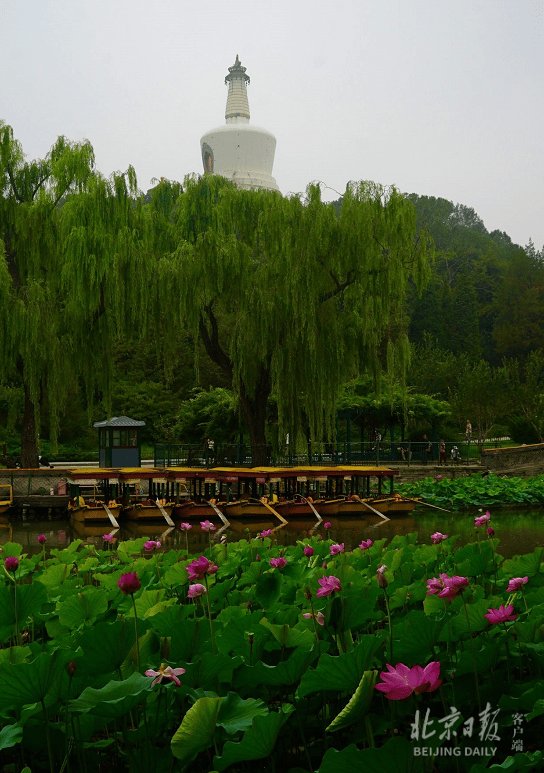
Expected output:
(11, 549)
(30, 599)
(25, 683)
(520, 566)
(14, 655)
(10, 735)
(352, 611)
(208, 669)
(258, 742)
(83, 607)
(251, 575)
(106, 646)
(234, 637)
(343, 672)
(195, 734)
(485, 659)
(473, 560)
(189, 638)
(517, 764)
(414, 638)
(237, 714)
(396, 755)
(115, 699)
(289, 637)
(146, 601)
(358, 704)
(67, 555)
(176, 575)
(163, 622)
(55, 575)
(459, 626)
(268, 589)
(285, 673)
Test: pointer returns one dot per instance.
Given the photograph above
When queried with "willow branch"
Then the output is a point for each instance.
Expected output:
(211, 341)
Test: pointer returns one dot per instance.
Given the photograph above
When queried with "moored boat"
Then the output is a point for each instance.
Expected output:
(94, 493)
(6, 500)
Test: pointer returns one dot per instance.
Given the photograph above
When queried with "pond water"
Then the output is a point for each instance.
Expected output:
(519, 530)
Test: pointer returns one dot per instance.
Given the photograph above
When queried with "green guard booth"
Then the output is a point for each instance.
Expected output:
(119, 442)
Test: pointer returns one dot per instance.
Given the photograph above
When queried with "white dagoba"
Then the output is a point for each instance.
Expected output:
(238, 151)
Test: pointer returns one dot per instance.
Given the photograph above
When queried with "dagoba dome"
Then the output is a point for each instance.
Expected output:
(238, 151)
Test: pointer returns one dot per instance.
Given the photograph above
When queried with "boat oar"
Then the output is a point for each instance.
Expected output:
(274, 512)
(421, 502)
(110, 515)
(319, 518)
(167, 518)
(382, 516)
(223, 518)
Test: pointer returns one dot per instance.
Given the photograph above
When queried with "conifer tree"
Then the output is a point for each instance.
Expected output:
(71, 274)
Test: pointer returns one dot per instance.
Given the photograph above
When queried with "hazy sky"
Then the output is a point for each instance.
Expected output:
(439, 98)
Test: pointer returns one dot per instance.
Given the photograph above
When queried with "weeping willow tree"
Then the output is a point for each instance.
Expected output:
(290, 299)
(72, 275)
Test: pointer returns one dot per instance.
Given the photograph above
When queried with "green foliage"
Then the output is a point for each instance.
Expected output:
(284, 305)
(71, 274)
(475, 491)
(243, 673)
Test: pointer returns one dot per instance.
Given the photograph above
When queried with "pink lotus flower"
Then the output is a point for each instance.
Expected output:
(196, 590)
(328, 585)
(437, 537)
(402, 681)
(108, 537)
(501, 615)
(491, 531)
(516, 583)
(151, 545)
(185, 526)
(481, 520)
(380, 576)
(165, 672)
(11, 564)
(265, 533)
(447, 587)
(327, 525)
(129, 583)
(336, 549)
(308, 550)
(457, 582)
(42, 539)
(200, 567)
(319, 617)
(435, 585)
(278, 563)
(207, 526)
(439, 477)
(366, 545)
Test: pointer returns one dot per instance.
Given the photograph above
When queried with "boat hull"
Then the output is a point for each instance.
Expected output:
(88, 513)
(191, 511)
(147, 512)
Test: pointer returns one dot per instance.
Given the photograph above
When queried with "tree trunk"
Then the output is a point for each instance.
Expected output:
(29, 440)
(254, 409)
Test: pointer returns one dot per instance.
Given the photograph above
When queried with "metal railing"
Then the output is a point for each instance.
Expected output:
(384, 453)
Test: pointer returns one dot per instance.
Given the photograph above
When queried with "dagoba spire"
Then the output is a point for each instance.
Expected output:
(237, 110)
(238, 151)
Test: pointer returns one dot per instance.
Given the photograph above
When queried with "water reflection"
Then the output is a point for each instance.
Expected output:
(519, 531)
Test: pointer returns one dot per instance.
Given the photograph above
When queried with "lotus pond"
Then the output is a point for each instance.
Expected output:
(395, 655)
